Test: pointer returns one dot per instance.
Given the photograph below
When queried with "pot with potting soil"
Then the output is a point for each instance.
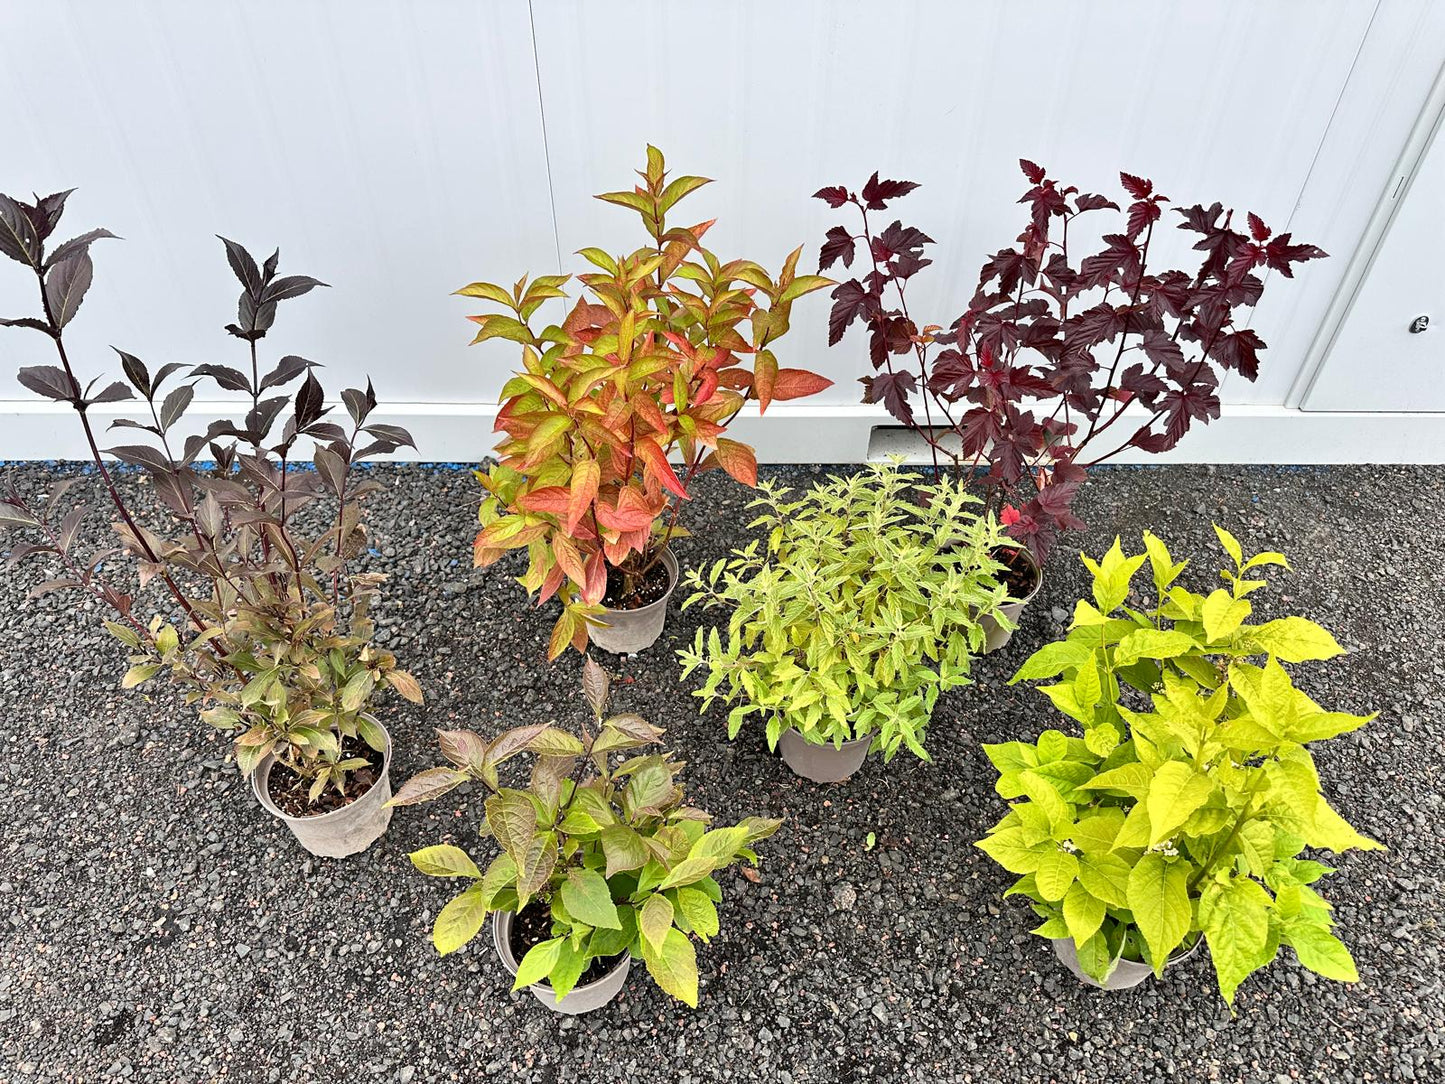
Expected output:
(633, 614)
(1022, 577)
(1161, 829)
(599, 862)
(265, 622)
(1125, 970)
(618, 411)
(336, 820)
(515, 935)
(862, 606)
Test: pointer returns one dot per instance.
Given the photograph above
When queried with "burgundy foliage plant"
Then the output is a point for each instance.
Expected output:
(1056, 345)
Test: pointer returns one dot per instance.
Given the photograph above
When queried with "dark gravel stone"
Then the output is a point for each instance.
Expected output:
(163, 928)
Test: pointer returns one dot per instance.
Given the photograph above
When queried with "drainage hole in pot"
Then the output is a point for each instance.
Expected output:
(626, 590)
(533, 925)
(290, 791)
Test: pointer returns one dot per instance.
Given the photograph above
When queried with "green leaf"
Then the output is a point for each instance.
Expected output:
(1321, 951)
(1296, 639)
(1112, 576)
(1176, 791)
(1007, 847)
(444, 860)
(1235, 918)
(490, 291)
(538, 963)
(567, 970)
(1096, 829)
(1082, 913)
(460, 920)
(1159, 897)
(1056, 872)
(1152, 644)
(536, 866)
(699, 911)
(624, 849)
(513, 820)
(1230, 544)
(1043, 794)
(137, 674)
(1105, 876)
(587, 898)
(654, 920)
(674, 967)
(1053, 659)
(1222, 613)
(688, 870)
(355, 692)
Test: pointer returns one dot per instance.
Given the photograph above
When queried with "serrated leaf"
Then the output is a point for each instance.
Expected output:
(460, 920)
(587, 898)
(444, 860)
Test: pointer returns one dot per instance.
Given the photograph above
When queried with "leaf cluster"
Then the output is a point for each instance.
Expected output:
(1056, 343)
(862, 606)
(610, 849)
(652, 363)
(1185, 808)
(272, 633)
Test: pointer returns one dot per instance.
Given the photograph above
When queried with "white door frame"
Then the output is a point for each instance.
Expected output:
(1401, 180)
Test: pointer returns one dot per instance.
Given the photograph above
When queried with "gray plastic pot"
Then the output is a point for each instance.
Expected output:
(627, 632)
(995, 635)
(342, 832)
(582, 998)
(824, 763)
(1126, 974)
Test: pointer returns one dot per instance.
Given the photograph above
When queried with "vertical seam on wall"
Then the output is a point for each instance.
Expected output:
(1294, 395)
(546, 147)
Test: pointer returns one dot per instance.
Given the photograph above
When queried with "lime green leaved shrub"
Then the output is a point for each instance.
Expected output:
(860, 607)
(611, 850)
(1187, 807)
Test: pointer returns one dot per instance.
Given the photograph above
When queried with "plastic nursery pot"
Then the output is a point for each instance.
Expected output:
(1126, 974)
(627, 632)
(825, 763)
(582, 999)
(342, 832)
(995, 635)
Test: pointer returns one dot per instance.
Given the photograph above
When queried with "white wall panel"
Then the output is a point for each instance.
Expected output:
(392, 150)
(1225, 101)
(398, 150)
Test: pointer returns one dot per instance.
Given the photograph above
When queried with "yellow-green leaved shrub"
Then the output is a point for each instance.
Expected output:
(1187, 806)
(860, 607)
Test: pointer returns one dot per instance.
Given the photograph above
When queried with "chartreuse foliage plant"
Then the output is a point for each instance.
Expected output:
(859, 609)
(621, 863)
(1187, 806)
(654, 360)
(265, 619)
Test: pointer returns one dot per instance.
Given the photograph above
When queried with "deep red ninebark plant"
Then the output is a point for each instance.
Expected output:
(1056, 344)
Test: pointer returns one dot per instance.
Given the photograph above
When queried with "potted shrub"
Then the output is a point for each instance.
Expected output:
(650, 366)
(1182, 813)
(1058, 344)
(865, 603)
(266, 626)
(600, 863)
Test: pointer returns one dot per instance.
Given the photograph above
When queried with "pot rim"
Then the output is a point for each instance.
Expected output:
(262, 775)
(1177, 955)
(674, 573)
(850, 743)
(502, 943)
(1033, 563)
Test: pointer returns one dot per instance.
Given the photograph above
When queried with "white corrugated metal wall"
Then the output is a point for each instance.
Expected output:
(399, 150)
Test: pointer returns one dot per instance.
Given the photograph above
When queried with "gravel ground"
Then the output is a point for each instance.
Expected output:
(163, 928)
